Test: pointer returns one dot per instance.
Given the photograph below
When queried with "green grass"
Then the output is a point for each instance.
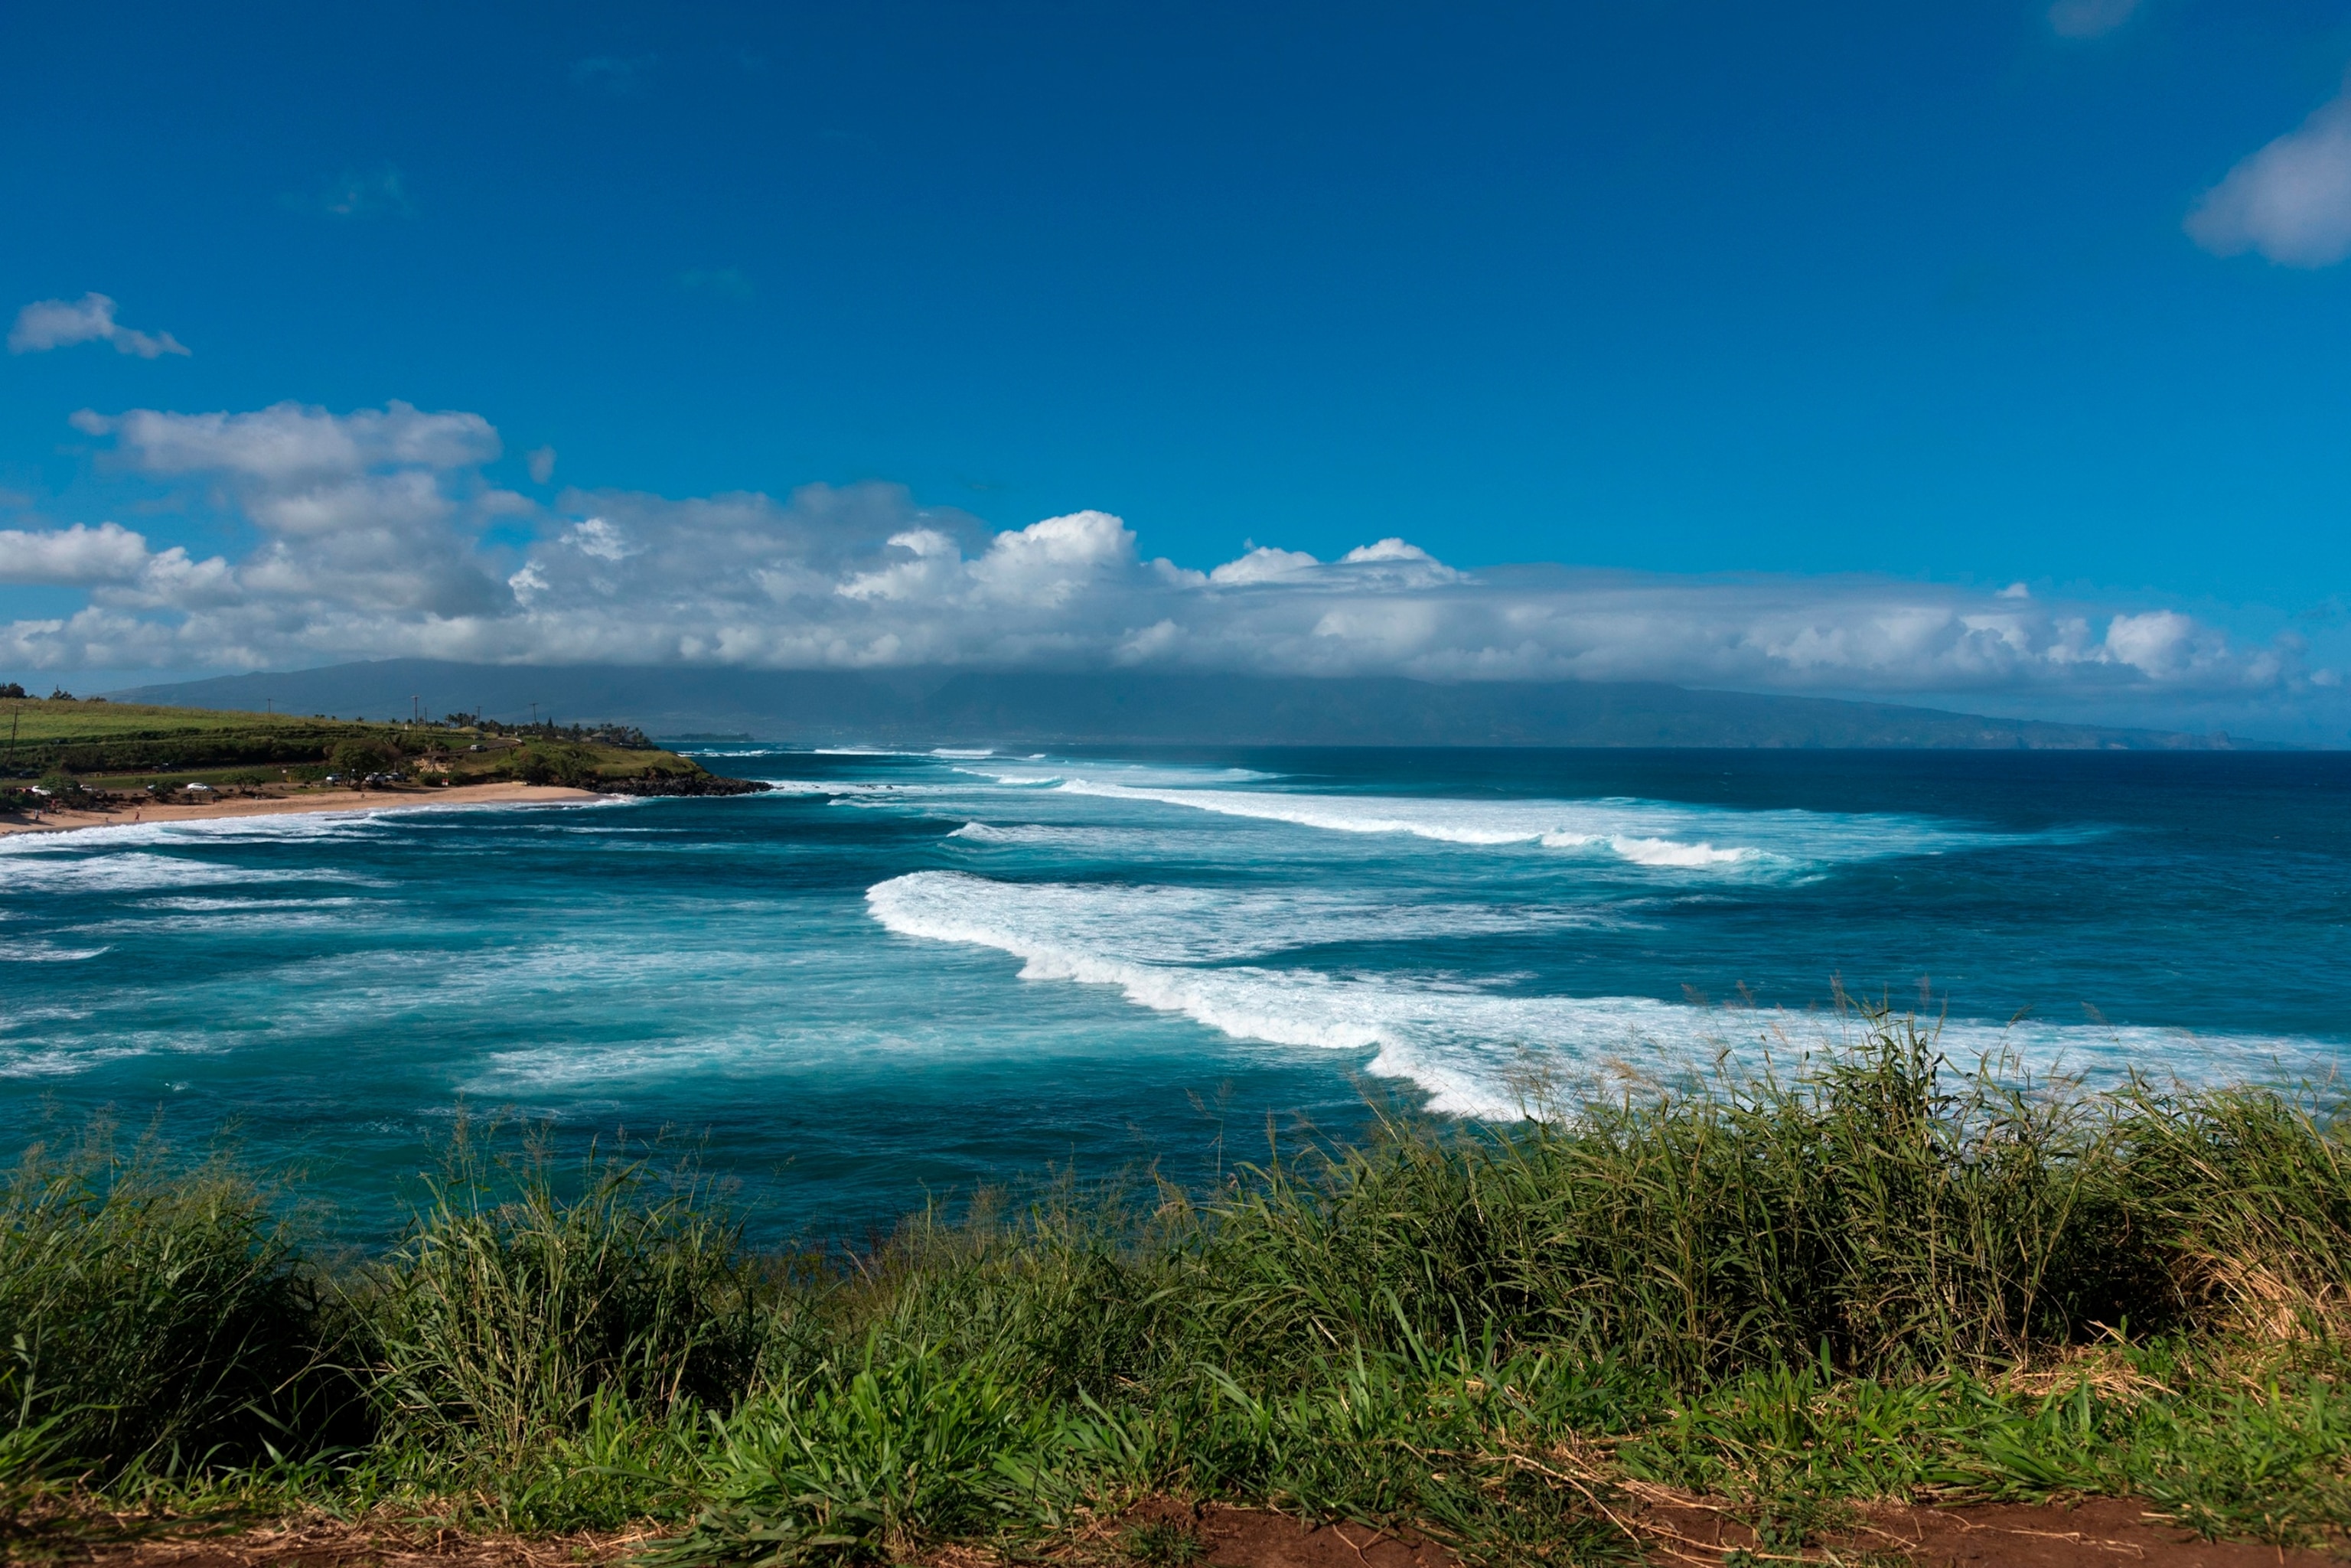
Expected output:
(1870, 1278)
(129, 746)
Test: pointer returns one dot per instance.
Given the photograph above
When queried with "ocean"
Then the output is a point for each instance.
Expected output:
(900, 978)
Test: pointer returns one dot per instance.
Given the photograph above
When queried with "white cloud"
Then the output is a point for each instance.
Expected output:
(288, 443)
(47, 324)
(2290, 201)
(597, 538)
(375, 540)
(78, 554)
(2089, 18)
(1263, 564)
(541, 460)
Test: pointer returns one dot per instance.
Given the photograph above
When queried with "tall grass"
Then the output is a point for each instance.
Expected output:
(522, 1293)
(1875, 1208)
(154, 1317)
(1870, 1272)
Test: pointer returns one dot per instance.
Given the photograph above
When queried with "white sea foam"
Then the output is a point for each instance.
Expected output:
(278, 826)
(1176, 925)
(1476, 1050)
(1131, 775)
(24, 1016)
(137, 872)
(118, 836)
(72, 1051)
(1639, 832)
(1048, 835)
(1018, 833)
(1668, 852)
(242, 905)
(828, 787)
(1017, 779)
(1152, 942)
(46, 953)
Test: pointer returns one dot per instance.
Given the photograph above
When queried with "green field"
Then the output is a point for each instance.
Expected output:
(118, 746)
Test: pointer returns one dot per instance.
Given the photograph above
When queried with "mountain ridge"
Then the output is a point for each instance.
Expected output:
(944, 706)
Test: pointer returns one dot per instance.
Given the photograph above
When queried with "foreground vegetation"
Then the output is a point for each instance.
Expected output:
(77, 747)
(1875, 1279)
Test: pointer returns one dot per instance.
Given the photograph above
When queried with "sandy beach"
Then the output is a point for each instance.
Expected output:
(501, 794)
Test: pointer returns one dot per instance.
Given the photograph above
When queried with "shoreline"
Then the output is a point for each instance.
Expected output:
(323, 801)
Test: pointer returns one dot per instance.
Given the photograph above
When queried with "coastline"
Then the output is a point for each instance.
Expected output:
(329, 800)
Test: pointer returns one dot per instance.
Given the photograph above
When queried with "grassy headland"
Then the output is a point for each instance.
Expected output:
(94, 748)
(1875, 1279)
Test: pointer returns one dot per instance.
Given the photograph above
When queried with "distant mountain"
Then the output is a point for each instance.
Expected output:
(937, 706)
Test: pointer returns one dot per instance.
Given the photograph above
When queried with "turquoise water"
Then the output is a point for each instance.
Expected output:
(904, 975)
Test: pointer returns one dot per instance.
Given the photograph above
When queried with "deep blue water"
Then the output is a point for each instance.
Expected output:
(904, 975)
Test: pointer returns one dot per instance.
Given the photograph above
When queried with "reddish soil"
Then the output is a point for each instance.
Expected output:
(313, 1543)
(2102, 1531)
(2108, 1531)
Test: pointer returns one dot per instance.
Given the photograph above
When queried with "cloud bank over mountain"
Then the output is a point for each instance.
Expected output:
(379, 534)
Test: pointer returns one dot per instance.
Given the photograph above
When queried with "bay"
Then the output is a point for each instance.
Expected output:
(900, 977)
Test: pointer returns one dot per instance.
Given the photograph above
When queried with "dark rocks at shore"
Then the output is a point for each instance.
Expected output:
(682, 784)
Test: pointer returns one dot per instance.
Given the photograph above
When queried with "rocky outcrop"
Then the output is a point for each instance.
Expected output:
(682, 784)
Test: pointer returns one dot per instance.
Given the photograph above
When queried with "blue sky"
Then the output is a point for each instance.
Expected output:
(1777, 331)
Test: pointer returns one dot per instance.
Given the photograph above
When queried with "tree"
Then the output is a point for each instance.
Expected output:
(358, 758)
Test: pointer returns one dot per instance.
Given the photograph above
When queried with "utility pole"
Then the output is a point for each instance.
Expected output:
(415, 710)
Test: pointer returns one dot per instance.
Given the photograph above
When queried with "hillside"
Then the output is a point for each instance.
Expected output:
(939, 706)
(101, 745)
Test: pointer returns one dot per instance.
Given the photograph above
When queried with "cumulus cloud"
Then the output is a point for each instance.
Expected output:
(47, 324)
(78, 556)
(2290, 201)
(379, 535)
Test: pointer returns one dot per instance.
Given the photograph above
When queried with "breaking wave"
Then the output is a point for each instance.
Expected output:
(1641, 833)
(1476, 1050)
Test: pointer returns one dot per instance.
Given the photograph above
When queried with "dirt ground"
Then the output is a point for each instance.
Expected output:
(2100, 1531)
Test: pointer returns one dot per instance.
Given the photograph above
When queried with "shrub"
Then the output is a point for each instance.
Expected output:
(157, 1318)
(551, 764)
(358, 758)
(1876, 1209)
(511, 1305)
(65, 789)
(872, 1458)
